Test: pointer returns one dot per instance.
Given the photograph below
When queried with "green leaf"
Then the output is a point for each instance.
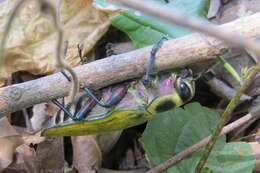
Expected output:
(233, 157)
(145, 30)
(171, 132)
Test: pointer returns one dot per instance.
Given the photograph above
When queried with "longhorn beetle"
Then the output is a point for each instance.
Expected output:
(125, 104)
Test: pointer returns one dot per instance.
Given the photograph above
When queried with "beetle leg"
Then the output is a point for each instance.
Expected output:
(156, 47)
(117, 95)
(61, 106)
(66, 76)
(84, 109)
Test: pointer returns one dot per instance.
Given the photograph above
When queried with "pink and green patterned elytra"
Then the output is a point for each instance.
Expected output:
(139, 104)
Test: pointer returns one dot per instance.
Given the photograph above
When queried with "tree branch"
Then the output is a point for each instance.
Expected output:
(176, 17)
(104, 72)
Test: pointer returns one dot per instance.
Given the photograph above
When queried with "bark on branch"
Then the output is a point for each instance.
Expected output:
(174, 53)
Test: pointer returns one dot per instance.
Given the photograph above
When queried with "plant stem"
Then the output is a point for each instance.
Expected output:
(228, 128)
(229, 68)
(225, 116)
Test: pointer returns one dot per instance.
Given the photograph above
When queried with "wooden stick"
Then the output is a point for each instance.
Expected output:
(174, 53)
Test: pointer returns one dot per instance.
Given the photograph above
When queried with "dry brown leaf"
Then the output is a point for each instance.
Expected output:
(87, 156)
(31, 42)
(8, 145)
(41, 113)
(23, 162)
(26, 155)
(122, 47)
(34, 138)
(6, 128)
(50, 155)
(107, 141)
(9, 141)
(235, 9)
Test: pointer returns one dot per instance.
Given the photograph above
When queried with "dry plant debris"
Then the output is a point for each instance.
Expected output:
(31, 41)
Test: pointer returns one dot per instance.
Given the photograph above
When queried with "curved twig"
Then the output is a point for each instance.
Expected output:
(59, 60)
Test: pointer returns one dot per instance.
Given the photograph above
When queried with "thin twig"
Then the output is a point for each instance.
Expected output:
(60, 62)
(221, 89)
(202, 143)
(28, 123)
(243, 137)
(173, 16)
(241, 129)
(226, 116)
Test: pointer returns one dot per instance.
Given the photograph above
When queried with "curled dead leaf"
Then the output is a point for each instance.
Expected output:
(8, 145)
(87, 156)
(51, 153)
(32, 40)
(107, 141)
(41, 113)
(9, 141)
(6, 128)
(33, 138)
(23, 160)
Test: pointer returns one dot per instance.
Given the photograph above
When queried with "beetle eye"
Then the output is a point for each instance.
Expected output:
(183, 90)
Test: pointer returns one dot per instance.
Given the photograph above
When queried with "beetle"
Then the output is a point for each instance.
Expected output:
(125, 104)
